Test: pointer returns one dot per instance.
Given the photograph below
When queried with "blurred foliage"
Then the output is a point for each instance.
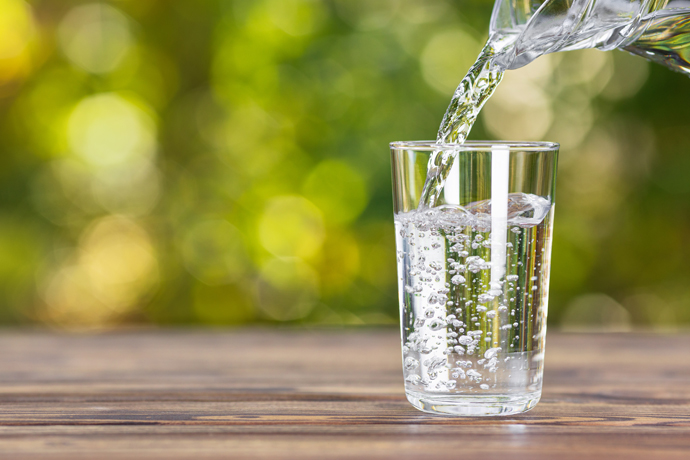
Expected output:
(226, 161)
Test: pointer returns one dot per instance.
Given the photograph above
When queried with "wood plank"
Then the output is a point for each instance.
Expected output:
(323, 394)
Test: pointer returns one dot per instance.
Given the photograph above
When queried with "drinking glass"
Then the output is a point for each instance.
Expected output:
(473, 255)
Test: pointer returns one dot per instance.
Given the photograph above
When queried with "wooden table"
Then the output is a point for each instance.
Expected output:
(324, 394)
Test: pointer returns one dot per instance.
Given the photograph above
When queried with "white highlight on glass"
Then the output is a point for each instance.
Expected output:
(500, 178)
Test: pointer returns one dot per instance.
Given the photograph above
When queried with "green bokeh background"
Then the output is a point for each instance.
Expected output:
(226, 161)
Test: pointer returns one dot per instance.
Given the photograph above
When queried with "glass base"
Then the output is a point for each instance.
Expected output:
(474, 405)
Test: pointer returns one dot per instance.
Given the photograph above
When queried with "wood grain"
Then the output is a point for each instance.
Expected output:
(324, 394)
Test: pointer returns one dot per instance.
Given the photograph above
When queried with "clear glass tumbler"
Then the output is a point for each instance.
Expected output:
(473, 272)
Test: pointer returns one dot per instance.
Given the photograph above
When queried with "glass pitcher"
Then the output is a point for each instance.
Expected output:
(658, 30)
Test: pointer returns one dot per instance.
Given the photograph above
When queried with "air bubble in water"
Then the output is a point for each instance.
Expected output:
(457, 279)
(491, 352)
(436, 324)
(483, 298)
(465, 340)
(474, 375)
(413, 379)
(411, 363)
(433, 364)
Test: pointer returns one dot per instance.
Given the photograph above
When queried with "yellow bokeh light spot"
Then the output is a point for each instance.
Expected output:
(16, 27)
(113, 269)
(291, 226)
(519, 109)
(447, 57)
(71, 301)
(95, 37)
(338, 190)
(584, 66)
(107, 130)
(132, 189)
(119, 258)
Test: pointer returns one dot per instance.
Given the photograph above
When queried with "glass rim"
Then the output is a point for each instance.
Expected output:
(481, 146)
